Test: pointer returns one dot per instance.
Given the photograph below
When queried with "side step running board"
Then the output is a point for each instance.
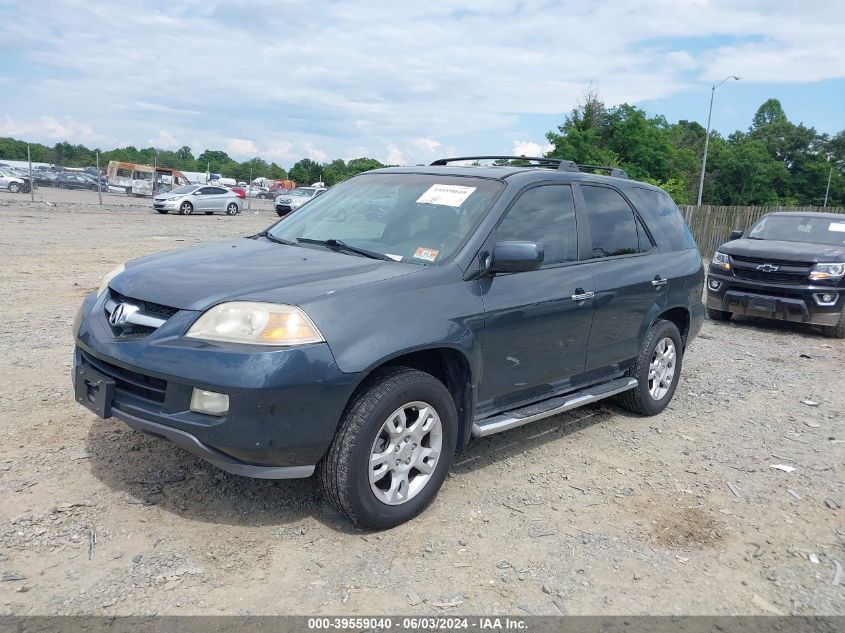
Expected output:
(548, 408)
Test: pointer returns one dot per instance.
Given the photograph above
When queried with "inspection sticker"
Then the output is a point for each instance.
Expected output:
(447, 195)
(428, 254)
(839, 227)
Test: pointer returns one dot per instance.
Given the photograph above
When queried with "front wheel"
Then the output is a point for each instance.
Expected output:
(718, 315)
(186, 208)
(392, 450)
(656, 370)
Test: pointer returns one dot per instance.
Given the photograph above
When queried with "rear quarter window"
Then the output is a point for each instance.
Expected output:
(663, 218)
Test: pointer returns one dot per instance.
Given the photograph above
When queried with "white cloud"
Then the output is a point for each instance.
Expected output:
(165, 140)
(315, 154)
(240, 147)
(394, 155)
(527, 148)
(52, 128)
(427, 146)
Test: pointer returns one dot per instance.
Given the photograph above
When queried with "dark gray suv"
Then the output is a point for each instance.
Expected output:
(371, 347)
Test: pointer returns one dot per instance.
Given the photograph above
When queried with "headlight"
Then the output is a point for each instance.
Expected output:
(827, 271)
(720, 260)
(105, 281)
(256, 324)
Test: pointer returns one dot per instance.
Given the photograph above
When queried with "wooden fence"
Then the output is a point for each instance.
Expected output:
(711, 226)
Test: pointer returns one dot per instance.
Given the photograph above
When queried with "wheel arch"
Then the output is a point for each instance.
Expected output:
(450, 365)
(680, 316)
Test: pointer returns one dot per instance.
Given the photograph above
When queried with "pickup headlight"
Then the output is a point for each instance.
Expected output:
(256, 323)
(720, 260)
(104, 283)
(827, 271)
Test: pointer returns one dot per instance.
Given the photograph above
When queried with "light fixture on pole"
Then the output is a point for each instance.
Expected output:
(707, 137)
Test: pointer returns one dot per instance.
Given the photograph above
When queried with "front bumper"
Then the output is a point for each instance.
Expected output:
(168, 205)
(282, 209)
(795, 303)
(284, 404)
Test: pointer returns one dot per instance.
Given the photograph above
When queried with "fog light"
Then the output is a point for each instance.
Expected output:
(209, 402)
(714, 284)
(826, 299)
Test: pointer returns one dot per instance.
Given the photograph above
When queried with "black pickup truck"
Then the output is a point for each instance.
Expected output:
(788, 266)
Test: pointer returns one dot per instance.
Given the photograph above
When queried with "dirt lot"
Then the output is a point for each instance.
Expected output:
(597, 511)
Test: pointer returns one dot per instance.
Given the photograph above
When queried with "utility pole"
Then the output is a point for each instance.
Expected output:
(248, 191)
(707, 138)
(827, 191)
(32, 181)
(155, 167)
(99, 181)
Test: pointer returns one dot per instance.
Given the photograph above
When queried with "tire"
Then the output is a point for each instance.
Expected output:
(642, 398)
(14, 187)
(232, 209)
(835, 331)
(129, 191)
(186, 208)
(162, 211)
(718, 315)
(345, 471)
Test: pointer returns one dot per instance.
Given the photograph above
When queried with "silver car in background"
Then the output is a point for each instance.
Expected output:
(207, 199)
(288, 202)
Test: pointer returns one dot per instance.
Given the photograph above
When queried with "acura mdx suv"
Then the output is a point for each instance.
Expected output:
(788, 266)
(371, 347)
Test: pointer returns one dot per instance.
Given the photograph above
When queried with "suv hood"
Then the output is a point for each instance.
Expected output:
(251, 269)
(786, 251)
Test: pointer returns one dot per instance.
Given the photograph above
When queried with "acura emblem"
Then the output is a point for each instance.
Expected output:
(768, 268)
(121, 313)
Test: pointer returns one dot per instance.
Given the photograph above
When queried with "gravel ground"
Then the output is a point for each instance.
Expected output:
(593, 512)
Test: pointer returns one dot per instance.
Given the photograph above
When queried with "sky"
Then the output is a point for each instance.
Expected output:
(401, 82)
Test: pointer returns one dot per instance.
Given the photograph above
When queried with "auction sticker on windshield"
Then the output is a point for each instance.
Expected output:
(428, 254)
(447, 195)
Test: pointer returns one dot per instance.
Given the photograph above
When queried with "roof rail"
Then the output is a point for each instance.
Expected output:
(557, 163)
(616, 172)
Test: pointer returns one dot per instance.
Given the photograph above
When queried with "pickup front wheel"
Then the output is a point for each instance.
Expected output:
(393, 449)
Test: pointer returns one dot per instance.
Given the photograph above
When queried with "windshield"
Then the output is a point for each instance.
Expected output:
(184, 189)
(800, 228)
(303, 191)
(416, 218)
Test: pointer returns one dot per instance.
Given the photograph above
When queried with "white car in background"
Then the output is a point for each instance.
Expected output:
(13, 182)
(288, 202)
(206, 199)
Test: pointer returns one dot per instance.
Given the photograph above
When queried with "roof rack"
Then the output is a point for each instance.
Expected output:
(557, 163)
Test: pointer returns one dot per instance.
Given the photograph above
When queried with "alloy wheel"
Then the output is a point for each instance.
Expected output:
(661, 370)
(405, 453)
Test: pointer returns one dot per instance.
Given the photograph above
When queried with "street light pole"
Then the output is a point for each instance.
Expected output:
(707, 137)
(827, 191)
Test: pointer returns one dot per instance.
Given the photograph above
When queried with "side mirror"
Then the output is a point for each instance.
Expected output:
(515, 257)
(735, 235)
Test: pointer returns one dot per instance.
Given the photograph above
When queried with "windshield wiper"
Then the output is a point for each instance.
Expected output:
(272, 238)
(339, 245)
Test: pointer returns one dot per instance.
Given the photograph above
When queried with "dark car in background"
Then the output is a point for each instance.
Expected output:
(71, 180)
(788, 266)
(371, 349)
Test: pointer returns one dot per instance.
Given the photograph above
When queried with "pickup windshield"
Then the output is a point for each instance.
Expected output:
(800, 228)
(415, 218)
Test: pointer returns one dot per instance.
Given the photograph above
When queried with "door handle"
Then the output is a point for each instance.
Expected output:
(580, 295)
(659, 282)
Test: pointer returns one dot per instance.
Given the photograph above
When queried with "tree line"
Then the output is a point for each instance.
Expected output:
(774, 162)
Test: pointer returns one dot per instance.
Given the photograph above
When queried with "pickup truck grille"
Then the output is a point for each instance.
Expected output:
(774, 278)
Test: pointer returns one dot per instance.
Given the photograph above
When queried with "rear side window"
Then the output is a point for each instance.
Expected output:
(665, 221)
(613, 227)
(544, 214)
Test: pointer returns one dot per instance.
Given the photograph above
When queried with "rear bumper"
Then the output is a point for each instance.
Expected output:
(797, 304)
